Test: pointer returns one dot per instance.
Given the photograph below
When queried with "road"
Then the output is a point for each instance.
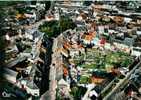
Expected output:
(55, 67)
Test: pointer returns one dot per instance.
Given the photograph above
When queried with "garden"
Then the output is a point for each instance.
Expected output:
(102, 61)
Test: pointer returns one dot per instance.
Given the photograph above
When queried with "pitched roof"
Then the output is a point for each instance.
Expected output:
(90, 36)
(62, 82)
(67, 45)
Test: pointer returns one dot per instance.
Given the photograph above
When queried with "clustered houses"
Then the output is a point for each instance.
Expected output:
(99, 54)
(22, 57)
(29, 14)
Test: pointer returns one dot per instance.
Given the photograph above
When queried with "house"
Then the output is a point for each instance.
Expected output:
(33, 34)
(100, 76)
(118, 20)
(28, 69)
(79, 18)
(73, 52)
(127, 20)
(10, 75)
(129, 41)
(136, 51)
(30, 14)
(49, 17)
(64, 88)
(12, 49)
(15, 61)
(57, 17)
(67, 45)
(101, 29)
(80, 23)
(64, 52)
(138, 33)
(88, 38)
(102, 41)
(62, 83)
(28, 34)
(31, 88)
(96, 79)
(20, 16)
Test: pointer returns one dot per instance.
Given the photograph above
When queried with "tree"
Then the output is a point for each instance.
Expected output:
(47, 5)
(54, 28)
(87, 3)
(66, 23)
(50, 28)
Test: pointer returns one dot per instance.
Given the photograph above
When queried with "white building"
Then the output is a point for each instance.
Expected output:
(136, 51)
(10, 75)
(31, 88)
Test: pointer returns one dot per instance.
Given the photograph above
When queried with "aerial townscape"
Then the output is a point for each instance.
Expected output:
(70, 50)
